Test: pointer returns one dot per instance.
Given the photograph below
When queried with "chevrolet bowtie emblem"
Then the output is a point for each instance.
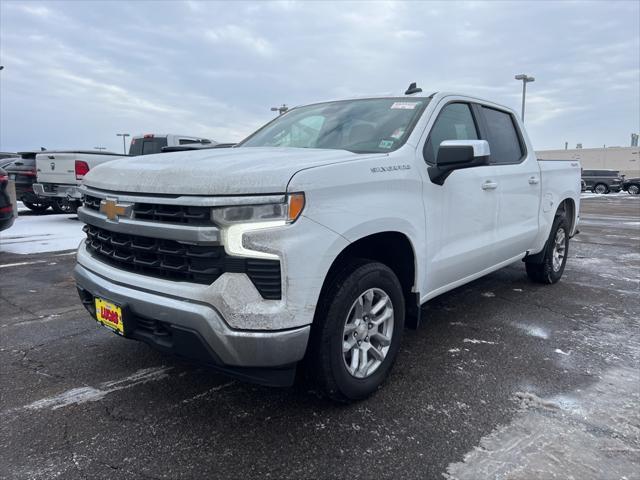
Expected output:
(112, 209)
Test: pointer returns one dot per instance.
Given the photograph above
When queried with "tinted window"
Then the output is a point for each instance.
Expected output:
(147, 146)
(454, 122)
(502, 136)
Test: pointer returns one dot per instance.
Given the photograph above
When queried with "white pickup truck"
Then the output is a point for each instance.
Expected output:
(319, 237)
(60, 173)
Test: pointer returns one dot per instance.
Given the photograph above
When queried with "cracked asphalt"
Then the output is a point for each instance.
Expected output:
(504, 379)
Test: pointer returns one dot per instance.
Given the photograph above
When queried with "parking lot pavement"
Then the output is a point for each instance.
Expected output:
(505, 379)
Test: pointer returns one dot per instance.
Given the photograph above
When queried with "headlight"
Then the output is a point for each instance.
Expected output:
(287, 212)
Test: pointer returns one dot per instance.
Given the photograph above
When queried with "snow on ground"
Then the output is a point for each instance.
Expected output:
(42, 233)
(619, 194)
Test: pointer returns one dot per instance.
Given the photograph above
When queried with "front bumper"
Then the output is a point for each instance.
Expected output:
(53, 190)
(198, 332)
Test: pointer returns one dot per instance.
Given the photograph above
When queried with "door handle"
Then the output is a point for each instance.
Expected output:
(533, 180)
(489, 185)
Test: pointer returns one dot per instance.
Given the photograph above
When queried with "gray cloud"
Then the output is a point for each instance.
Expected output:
(78, 72)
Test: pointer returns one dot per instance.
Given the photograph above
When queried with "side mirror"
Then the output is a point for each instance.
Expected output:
(458, 154)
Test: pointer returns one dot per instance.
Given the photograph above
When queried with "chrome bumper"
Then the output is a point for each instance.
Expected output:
(230, 347)
(60, 191)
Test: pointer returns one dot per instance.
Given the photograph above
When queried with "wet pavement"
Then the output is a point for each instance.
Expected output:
(504, 379)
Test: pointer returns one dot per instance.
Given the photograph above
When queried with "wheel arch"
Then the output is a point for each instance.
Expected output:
(568, 207)
(393, 249)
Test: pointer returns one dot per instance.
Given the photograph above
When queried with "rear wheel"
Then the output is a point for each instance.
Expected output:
(64, 205)
(37, 206)
(357, 331)
(601, 188)
(555, 254)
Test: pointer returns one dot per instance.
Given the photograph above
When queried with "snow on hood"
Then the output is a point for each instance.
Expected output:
(228, 171)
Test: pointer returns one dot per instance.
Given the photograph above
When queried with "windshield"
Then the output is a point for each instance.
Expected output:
(372, 125)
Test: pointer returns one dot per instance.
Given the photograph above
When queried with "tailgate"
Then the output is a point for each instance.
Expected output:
(58, 168)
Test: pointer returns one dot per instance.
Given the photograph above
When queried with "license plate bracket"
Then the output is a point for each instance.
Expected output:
(110, 315)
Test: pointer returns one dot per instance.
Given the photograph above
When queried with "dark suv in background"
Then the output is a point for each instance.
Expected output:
(23, 172)
(602, 181)
(631, 185)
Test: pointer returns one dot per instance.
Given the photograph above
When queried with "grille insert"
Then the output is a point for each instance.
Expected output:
(172, 260)
(180, 214)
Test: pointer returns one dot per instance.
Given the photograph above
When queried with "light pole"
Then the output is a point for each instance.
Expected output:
(281, 109)
(525, 79)
(124, 141)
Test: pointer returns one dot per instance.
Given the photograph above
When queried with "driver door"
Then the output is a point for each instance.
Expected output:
(461, 213)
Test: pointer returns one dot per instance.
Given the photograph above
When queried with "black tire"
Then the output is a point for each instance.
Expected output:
(36, 207)
(63, 205)
(544, 272)
(633, 189)
(600, 188)
(325, 356)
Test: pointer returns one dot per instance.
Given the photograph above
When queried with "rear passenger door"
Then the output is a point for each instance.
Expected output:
(517, 174)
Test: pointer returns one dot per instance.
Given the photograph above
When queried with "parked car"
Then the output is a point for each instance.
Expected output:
(602, 181)
(631, 185)
(154, 143)
(7, 201)
(59, 173)
(23, 172)
(320, 236)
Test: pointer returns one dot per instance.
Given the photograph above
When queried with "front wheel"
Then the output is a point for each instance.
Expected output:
(357, 331)
(634, 189)
(555, 254)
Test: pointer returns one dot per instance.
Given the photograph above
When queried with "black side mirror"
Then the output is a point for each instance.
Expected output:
(458, 154)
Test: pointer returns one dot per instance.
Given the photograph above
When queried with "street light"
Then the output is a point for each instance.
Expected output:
(525, 79)
(281, 109)
(124, 141)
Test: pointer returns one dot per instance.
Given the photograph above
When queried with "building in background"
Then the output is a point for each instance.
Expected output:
(625, 159)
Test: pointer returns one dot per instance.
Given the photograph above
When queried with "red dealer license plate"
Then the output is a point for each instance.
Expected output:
(110, 315)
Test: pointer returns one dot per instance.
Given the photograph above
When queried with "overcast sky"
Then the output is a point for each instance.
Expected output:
(76, 73)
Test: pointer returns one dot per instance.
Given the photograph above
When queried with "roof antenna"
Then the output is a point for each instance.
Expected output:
(412, 89)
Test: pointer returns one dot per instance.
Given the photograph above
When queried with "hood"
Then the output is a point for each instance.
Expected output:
(232, 171)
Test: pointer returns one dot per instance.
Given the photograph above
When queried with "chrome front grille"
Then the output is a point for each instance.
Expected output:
(169, 213)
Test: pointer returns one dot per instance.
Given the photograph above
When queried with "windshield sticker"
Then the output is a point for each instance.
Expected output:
(385, 144)
(404, 105)
(397, 133)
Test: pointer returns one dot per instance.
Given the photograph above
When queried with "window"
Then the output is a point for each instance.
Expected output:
(454, 122)
(502, 136)
(376, 125)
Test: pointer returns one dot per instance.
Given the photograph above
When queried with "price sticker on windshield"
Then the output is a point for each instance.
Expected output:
(404, 105)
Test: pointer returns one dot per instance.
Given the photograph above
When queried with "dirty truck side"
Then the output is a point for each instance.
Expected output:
(319, 237)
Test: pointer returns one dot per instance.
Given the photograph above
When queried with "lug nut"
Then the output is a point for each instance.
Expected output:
(370, 325)
(359, 342)
(366, 339)
(355, 334)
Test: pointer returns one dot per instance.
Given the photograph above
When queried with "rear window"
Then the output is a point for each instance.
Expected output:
(502, 136)
(147, 146)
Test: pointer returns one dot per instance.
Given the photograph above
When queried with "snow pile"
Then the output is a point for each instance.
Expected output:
(43, 233)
